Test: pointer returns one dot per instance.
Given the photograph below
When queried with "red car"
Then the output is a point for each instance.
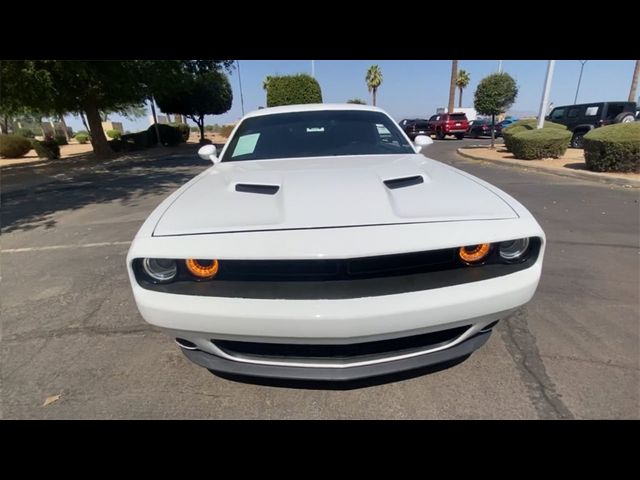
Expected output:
(444, 124)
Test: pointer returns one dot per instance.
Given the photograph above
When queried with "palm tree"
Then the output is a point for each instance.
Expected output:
(462, 82)
(265, 82)
(374, 80)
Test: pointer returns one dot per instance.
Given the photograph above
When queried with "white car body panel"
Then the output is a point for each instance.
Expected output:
(331, 208)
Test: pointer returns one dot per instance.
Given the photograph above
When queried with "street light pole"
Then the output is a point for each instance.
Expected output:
(582, 62)
(499, 66)
(313, 68)
(545, 93)
(240, 81)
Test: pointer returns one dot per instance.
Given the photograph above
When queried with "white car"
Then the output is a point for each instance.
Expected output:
(321, 244)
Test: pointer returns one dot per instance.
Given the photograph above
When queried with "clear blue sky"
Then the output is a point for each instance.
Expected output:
(413, 88)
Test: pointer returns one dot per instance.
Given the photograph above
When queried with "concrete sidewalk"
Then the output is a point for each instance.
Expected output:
(570, 165)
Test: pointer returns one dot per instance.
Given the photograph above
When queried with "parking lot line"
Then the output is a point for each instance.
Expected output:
(61, 247)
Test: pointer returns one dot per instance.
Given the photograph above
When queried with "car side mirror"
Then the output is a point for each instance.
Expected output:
(421, 141)
(209, 152)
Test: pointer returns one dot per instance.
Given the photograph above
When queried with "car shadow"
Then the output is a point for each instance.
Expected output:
(341, 385)
(28, 209)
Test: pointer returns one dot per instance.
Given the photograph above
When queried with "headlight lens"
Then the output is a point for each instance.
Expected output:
(160, 269)
(203, 269)
(514, 250)
(474, 253)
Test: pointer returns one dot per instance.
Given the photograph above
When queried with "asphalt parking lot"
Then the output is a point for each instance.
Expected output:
(70, 327)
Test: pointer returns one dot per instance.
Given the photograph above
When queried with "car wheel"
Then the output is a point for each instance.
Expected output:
(459, 136)
(439, 135)
(624, 117)
(577, 140)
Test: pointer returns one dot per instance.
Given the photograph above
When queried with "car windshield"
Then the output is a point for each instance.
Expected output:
(316, 134)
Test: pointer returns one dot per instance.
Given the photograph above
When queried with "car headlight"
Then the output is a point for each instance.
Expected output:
(202, 269)
(160, 269)
(514, 250)
(474, 253)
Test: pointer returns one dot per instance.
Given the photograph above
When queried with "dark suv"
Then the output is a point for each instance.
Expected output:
(580, 119)
(414, 127)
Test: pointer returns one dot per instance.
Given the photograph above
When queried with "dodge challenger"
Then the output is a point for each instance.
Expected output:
(322, 244)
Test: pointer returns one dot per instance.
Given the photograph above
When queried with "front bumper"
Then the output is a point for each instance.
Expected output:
(223, 365)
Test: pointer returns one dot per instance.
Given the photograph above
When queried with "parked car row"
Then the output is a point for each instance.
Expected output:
(455, 124)
(440, 125)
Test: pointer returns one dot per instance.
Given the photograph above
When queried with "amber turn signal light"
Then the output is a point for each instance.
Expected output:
(474, 253)
(203, 269)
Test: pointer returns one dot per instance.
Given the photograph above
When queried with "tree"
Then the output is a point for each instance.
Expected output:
(357, 101)
(197, 95)
(633, 91)
(265, 82)
(293, 90)
(87, 86)
(452, 86)
(462, 82)
(494, 95)
(374, 80)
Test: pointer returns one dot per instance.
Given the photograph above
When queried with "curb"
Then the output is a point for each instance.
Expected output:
(583, 175)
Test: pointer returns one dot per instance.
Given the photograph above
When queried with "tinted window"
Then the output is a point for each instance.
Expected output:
(316, 134)
(433, 117)
(421, 124)
(614, 110)
(573, 113)
(458, 116)
(558, 113)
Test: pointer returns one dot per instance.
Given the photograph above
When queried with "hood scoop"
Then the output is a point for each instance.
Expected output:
(404, 182)
(257, 188)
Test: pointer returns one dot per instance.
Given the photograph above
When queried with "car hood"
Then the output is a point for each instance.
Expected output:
(324, 192)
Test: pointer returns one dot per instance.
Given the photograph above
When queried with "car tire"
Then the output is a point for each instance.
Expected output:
(624, 117)
(577, 139)
(459, 136)
(439, 135)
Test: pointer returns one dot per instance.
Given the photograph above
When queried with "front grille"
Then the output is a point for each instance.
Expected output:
(355, 351)
(347, 269)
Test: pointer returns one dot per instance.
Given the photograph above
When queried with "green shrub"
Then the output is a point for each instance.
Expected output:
(81, 132)
(357, 101)
(196, 129)
(183, 128)
(82, 137)
(171, 136)
(61, 140)
(48, 148)
(24, 132)
(114, 133)
(614, 148)
(525, 125)
(293, 90)
(14, 146)
(537, 144)
(208, 128)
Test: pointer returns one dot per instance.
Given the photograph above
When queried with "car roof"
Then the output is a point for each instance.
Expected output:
(312, 107)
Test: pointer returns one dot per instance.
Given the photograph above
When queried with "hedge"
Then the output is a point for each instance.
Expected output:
(541, 143)
(171, 136)
(47, 148)
(614, 148)
(523, 126)
(24, 132)
(14, 146)
(293, 90)
(81, 137)
(114, 133)
(61, 140)
(183, 128)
